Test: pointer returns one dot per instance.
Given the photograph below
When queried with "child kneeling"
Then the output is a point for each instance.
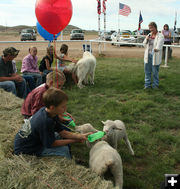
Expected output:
(43, 134)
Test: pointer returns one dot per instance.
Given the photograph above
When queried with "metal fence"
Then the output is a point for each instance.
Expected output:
(88, 44)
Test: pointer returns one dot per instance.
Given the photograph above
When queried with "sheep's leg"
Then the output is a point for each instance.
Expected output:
(117, 172)
(81, 77)
(92, 78)
(80, 85)
(129, 144)
(86, 79)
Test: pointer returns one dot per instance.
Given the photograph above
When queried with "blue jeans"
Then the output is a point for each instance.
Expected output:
(8, 86)
(36, 76)
(57, 151)
(45, 72)
(17, 88)
(30, 83)
(148, 69)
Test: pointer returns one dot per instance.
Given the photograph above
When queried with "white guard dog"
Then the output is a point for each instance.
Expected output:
(85, 68)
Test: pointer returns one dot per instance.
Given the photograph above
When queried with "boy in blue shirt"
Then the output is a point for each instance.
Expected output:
(43, 134)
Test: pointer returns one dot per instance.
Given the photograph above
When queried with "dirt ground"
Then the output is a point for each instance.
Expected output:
(75, 48)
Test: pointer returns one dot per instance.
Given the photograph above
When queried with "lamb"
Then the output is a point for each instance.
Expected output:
(115, 131)
(103, 157)
(84, 68)
(85, 128)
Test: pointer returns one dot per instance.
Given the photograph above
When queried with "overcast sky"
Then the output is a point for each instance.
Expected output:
(22, 12)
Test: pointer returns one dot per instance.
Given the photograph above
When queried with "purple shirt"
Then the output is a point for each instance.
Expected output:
(166, 32)
(29, 64)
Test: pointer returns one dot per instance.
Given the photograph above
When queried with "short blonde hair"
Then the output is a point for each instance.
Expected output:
(56, 76)
(54, 97)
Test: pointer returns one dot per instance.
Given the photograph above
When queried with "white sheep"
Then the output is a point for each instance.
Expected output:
(104, 157)
(85, 128)
(115, 131)
(84, 68)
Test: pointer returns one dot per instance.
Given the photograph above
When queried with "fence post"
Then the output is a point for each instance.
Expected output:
(90, 46)
(99, 48)
(166, 58)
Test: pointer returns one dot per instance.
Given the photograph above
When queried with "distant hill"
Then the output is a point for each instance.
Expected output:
(20, 27)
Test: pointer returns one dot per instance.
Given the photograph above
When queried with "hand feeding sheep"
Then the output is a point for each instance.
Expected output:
(115, 131)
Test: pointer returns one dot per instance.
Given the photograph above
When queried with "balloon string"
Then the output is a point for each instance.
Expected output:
(55, 61)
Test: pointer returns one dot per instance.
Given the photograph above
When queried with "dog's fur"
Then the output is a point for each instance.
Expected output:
(84, 68)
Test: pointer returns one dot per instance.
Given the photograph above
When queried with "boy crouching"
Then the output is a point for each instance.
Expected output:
(43, 134)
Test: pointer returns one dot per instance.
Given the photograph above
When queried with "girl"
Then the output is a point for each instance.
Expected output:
(64, 57)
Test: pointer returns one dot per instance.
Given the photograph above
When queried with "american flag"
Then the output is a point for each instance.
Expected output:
(99, 6)
(124, 9)
(104, 6)
(140, 21)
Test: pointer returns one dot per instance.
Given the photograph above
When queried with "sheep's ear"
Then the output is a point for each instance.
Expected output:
(103, 122)
(117, 128)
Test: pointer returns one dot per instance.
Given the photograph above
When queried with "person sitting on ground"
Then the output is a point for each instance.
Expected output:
(30, 83)
(46, 62)
(33, 101)
(43, 134)
(64, 57)
(10, 81)
(167, 40)
(30, 66)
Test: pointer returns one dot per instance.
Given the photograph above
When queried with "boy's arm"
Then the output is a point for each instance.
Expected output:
(77, 136)
(64, 142)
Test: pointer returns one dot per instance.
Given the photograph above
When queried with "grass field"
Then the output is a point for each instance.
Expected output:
(152, 118)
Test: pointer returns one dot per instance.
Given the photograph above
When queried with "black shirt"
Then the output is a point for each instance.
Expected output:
(6, 69)
(42, 66)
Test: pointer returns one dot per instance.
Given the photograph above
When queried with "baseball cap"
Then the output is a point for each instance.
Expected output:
(10, 51)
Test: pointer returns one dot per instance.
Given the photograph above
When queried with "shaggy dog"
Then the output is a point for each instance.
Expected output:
(84, 68)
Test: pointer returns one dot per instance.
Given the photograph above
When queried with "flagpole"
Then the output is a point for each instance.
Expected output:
(118, 34)
(99, 21)
(104, 8)
(175, 26)
(99, 34)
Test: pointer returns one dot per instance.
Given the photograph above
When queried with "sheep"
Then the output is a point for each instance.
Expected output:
(103, 157)
(85, 128)
(84, 68)
(115, 131)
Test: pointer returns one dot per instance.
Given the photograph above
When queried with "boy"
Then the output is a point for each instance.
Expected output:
(37, 136)
(33, 101)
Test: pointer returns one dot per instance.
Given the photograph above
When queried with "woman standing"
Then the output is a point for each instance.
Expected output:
(153, 44)
(167, 40)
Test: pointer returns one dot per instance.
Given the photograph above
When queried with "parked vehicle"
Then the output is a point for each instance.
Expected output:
(140, 35)
(28, 34)
(124, 36)
(77, 34)
(175, 36)
(106, 36)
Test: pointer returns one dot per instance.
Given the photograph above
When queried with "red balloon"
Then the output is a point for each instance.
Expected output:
(53, 15)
